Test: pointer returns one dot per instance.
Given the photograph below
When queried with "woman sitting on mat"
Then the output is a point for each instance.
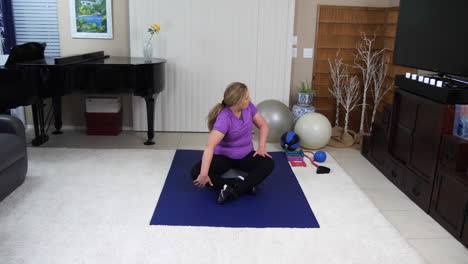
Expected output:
(230, 146)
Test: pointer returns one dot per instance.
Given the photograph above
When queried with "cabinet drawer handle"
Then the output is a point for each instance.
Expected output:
(415, 192)
(394, 174)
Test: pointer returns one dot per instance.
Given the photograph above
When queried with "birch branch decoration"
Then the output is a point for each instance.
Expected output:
(345, 89)
(366, 60)
(337, 73)
(350, 97)
(378, 90)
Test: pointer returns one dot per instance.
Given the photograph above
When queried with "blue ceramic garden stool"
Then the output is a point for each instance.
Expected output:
(300, 110)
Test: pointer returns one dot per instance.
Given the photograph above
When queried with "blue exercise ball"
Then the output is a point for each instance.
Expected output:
(320, 156)
(290, 141)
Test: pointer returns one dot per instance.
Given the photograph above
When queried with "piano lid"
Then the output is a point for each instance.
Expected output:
(91, 58)
(126, 61)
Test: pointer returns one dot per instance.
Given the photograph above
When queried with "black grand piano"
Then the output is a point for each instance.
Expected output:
(28, 78)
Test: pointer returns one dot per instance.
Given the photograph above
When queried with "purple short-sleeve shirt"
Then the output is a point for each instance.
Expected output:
(237, 141)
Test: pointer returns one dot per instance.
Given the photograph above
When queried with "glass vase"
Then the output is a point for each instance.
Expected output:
(148, 50)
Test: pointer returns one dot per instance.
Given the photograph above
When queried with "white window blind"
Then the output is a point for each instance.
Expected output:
(37, 21)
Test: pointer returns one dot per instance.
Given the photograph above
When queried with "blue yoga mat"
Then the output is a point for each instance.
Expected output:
(279, 201)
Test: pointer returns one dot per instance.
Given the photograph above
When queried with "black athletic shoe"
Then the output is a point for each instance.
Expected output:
(226, 194)
(251, 190)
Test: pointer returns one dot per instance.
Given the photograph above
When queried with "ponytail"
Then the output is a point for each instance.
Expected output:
(213, 114)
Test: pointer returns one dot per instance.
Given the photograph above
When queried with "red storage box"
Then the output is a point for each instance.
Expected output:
(103, 116)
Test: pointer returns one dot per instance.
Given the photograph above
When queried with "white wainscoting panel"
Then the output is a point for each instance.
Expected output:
(209, 44)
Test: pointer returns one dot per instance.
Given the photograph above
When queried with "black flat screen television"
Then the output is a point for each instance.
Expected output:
(433, 35)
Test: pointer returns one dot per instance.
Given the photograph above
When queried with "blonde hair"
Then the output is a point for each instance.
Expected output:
(232, 95)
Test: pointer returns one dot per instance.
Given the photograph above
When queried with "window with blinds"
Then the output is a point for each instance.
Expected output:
(36, 20)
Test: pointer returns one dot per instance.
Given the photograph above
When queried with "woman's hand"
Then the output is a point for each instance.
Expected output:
(202, 180)
(262, 125)
(214, 138)
(262, 152)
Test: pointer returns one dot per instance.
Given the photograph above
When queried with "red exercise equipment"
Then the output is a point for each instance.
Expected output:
(298, 164)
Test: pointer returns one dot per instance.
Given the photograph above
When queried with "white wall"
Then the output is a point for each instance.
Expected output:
(209, 45)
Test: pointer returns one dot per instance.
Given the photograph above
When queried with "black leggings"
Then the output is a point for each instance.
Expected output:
(258, 168)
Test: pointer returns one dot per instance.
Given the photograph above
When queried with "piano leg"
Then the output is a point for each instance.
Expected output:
(38, 119)
(150, 118)
(36, 140)
(57, 106)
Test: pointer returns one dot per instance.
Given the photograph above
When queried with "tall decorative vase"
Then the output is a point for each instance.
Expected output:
(148, 50)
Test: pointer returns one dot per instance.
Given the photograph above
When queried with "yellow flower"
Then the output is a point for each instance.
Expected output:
(153, 29)
(156, 27)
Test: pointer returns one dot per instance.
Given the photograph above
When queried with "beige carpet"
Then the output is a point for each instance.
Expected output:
(94, 206)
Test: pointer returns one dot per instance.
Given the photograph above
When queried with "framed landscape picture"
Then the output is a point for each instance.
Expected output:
(91, 19)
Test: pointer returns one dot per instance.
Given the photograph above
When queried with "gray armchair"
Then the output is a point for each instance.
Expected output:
(13, 155)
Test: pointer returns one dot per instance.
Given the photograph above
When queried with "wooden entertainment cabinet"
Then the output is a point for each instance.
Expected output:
(414, 148)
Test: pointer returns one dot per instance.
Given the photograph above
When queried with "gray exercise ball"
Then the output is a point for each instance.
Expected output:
(278, 117)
